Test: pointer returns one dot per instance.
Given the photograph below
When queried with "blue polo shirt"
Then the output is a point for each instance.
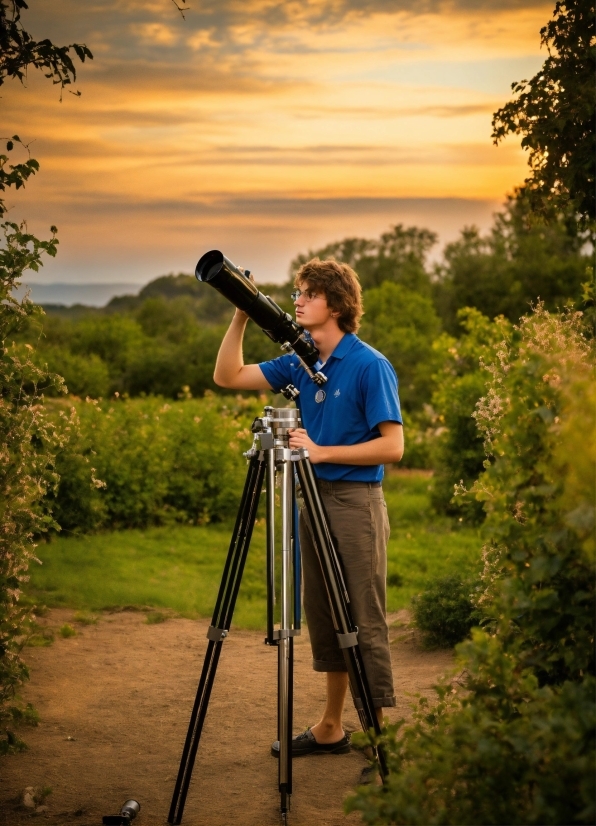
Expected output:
(360, 393)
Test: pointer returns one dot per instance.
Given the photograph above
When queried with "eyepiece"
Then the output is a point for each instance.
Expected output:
(131, 809)
(128, 812)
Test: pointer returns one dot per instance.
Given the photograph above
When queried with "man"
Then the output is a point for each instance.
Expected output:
(352, 427)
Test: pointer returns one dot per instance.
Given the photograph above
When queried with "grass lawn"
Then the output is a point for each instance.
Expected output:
(179, 568)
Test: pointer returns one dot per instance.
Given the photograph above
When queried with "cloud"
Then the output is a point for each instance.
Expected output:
(260, 122)
(380, 112)
(156, 33)
(264, 233)
(254, 206)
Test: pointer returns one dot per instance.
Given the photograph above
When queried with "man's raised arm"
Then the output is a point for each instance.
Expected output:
(230, 369)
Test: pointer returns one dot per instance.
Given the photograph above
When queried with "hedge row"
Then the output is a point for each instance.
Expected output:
(139, 462)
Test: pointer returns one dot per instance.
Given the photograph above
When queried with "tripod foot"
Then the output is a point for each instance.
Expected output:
(285, 807)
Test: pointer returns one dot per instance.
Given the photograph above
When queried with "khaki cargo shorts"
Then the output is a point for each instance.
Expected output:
(358, 521)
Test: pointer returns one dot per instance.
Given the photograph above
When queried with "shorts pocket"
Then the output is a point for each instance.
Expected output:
(355, 499)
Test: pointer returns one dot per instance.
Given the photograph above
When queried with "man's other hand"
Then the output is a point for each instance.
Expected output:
(300, 438)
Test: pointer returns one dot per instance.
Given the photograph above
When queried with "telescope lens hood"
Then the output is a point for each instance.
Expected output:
(209, 265)
(218, 271)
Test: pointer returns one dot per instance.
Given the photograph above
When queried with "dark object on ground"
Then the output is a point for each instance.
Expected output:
(128, 812)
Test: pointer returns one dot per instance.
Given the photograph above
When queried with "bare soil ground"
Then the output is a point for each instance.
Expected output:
(115, 701)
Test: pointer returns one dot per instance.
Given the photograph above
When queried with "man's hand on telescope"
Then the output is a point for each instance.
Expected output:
(300, 438)
(240, 313)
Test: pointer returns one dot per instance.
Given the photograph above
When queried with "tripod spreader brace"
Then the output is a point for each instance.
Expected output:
(216, 634)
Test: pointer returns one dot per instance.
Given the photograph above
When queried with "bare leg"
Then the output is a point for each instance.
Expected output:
(329, 729)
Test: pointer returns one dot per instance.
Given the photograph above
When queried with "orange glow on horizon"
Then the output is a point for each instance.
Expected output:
(181, 121)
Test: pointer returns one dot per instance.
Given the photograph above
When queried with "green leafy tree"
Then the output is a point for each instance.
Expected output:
(28, 439)
(513, 266)
(28, 444)
(114, 338)
(459, 383)
(403, 324)
(517, 745)
(398, 255)
(83, 375)
(554, 111)
(19, 50)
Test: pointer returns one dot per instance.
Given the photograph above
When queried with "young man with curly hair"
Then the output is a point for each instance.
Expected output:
(352, 427)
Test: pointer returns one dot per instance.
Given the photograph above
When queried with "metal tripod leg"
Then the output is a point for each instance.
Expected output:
(220, 626)
(286, 642)
(346, 630)
(280, 459)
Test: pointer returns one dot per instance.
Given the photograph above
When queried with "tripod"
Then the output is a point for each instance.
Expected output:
(271, 459)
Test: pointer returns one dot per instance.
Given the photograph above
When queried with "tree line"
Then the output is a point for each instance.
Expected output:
(166, 338)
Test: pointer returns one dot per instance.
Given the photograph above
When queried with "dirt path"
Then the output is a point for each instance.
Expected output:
(115, 701)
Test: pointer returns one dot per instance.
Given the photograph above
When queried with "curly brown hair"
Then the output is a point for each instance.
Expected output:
(341, 287)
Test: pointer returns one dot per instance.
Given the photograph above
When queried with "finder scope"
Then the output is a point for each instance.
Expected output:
(218, 271)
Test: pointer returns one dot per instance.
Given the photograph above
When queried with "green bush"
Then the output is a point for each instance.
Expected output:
(444, 611)
(84, 375)
(461, 763)
(28, 442)
(155, 346)
(517, 746)
(148, 462)
(460, 383)
(518, 262)
(403, 324)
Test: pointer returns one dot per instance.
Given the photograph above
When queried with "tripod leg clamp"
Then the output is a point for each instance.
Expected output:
(216, 634)
(347, 640)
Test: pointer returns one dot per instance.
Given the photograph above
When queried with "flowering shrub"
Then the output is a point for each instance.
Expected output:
(517, 746)
(28, 443)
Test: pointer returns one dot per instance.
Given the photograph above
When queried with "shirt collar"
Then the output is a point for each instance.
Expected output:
(344, 346)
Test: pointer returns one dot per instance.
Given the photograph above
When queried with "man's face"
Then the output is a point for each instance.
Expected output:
(311, 308)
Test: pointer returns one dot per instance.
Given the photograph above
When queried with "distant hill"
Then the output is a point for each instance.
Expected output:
(67, 295)
(206, 303)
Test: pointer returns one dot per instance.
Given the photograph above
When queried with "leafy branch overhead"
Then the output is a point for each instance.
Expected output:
(19, 50)
(14, 175)
(554, 111)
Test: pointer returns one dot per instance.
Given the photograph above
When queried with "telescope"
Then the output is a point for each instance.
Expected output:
(235, 285)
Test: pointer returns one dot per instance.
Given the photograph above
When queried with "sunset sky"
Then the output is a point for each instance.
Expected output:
(265, 128)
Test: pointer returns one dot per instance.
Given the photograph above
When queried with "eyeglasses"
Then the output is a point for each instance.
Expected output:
(308, 295)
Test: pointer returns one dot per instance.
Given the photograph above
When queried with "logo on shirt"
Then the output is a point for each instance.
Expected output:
(320, 396)
(337, 393)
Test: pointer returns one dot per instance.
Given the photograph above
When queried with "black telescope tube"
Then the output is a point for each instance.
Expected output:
(218, 271)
